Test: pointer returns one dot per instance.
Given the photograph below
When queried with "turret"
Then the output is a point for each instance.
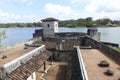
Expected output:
(50, 27)
(93, 33)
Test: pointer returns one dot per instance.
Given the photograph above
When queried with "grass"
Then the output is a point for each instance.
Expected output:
(115, 48)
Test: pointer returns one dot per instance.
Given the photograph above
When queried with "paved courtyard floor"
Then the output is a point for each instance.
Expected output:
(56, 71)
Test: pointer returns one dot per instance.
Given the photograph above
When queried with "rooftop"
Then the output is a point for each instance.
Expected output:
(92, 58)
(14, 53)
(25, 70)
(49, 19)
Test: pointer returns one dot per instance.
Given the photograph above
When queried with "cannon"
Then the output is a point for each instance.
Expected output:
(4, 56)
(104, 64)
(26, 46)
(109, 72)
(119, 78)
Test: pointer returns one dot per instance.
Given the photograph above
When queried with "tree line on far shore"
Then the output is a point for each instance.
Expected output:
(7, 25)
(89, 22)
(81, 22)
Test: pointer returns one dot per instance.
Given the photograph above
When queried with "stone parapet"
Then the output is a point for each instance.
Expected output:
(115, 55)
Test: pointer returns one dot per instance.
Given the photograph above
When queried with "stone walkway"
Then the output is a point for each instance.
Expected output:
(92, 58)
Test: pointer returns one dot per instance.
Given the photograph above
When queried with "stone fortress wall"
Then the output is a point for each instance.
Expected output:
(86, 39)
(115, 55)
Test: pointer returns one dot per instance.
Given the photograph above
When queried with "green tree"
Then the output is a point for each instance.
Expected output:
(89, 19)
(2, 36)
(81, 22)
(89, 22)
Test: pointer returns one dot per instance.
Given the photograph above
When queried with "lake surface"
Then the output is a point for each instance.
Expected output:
(15, 35)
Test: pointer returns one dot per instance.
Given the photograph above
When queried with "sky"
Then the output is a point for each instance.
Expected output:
(12, 11)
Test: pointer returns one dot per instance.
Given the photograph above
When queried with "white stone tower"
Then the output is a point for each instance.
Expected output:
(50, 27)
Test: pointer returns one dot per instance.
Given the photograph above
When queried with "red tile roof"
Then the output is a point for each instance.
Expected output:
(25, 70)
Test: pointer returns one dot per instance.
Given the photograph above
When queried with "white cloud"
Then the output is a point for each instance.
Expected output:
(95, 15)
(11, 17)
(98, 9)
(55, 9)
(1, 3)
(103, 6)
(23, 0)
(72, 9)
(78, 1)
(28, 2)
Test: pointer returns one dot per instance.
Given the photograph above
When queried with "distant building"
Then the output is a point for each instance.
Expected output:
(109, 24)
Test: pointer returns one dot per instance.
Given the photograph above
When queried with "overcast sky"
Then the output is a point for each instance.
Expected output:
(35, 10)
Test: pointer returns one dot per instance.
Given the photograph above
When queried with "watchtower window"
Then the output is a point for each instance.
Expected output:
(56, 25)
(48, 25)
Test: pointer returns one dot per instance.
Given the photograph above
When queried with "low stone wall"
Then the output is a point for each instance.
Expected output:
(70, 35)
(12, 46)
(63, 34)
(111, 44)
(115, 55)
(38, 33)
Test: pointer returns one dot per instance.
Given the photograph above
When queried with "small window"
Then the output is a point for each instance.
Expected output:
(48, 25)
(56, 25)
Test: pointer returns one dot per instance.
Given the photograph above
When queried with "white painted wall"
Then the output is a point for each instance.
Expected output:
(49, 31)
(32, 76)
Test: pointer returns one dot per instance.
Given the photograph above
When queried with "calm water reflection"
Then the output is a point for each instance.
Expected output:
(15, 35)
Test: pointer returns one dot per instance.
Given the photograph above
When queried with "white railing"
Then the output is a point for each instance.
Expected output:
(22, 59)
(82, 66)
(29, 55)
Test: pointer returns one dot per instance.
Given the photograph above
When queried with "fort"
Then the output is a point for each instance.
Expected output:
(52, 55)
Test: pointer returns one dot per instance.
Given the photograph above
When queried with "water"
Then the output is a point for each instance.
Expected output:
(110, 34)
(15, 35)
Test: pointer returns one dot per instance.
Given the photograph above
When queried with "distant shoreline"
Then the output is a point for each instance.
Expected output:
(81, 22)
